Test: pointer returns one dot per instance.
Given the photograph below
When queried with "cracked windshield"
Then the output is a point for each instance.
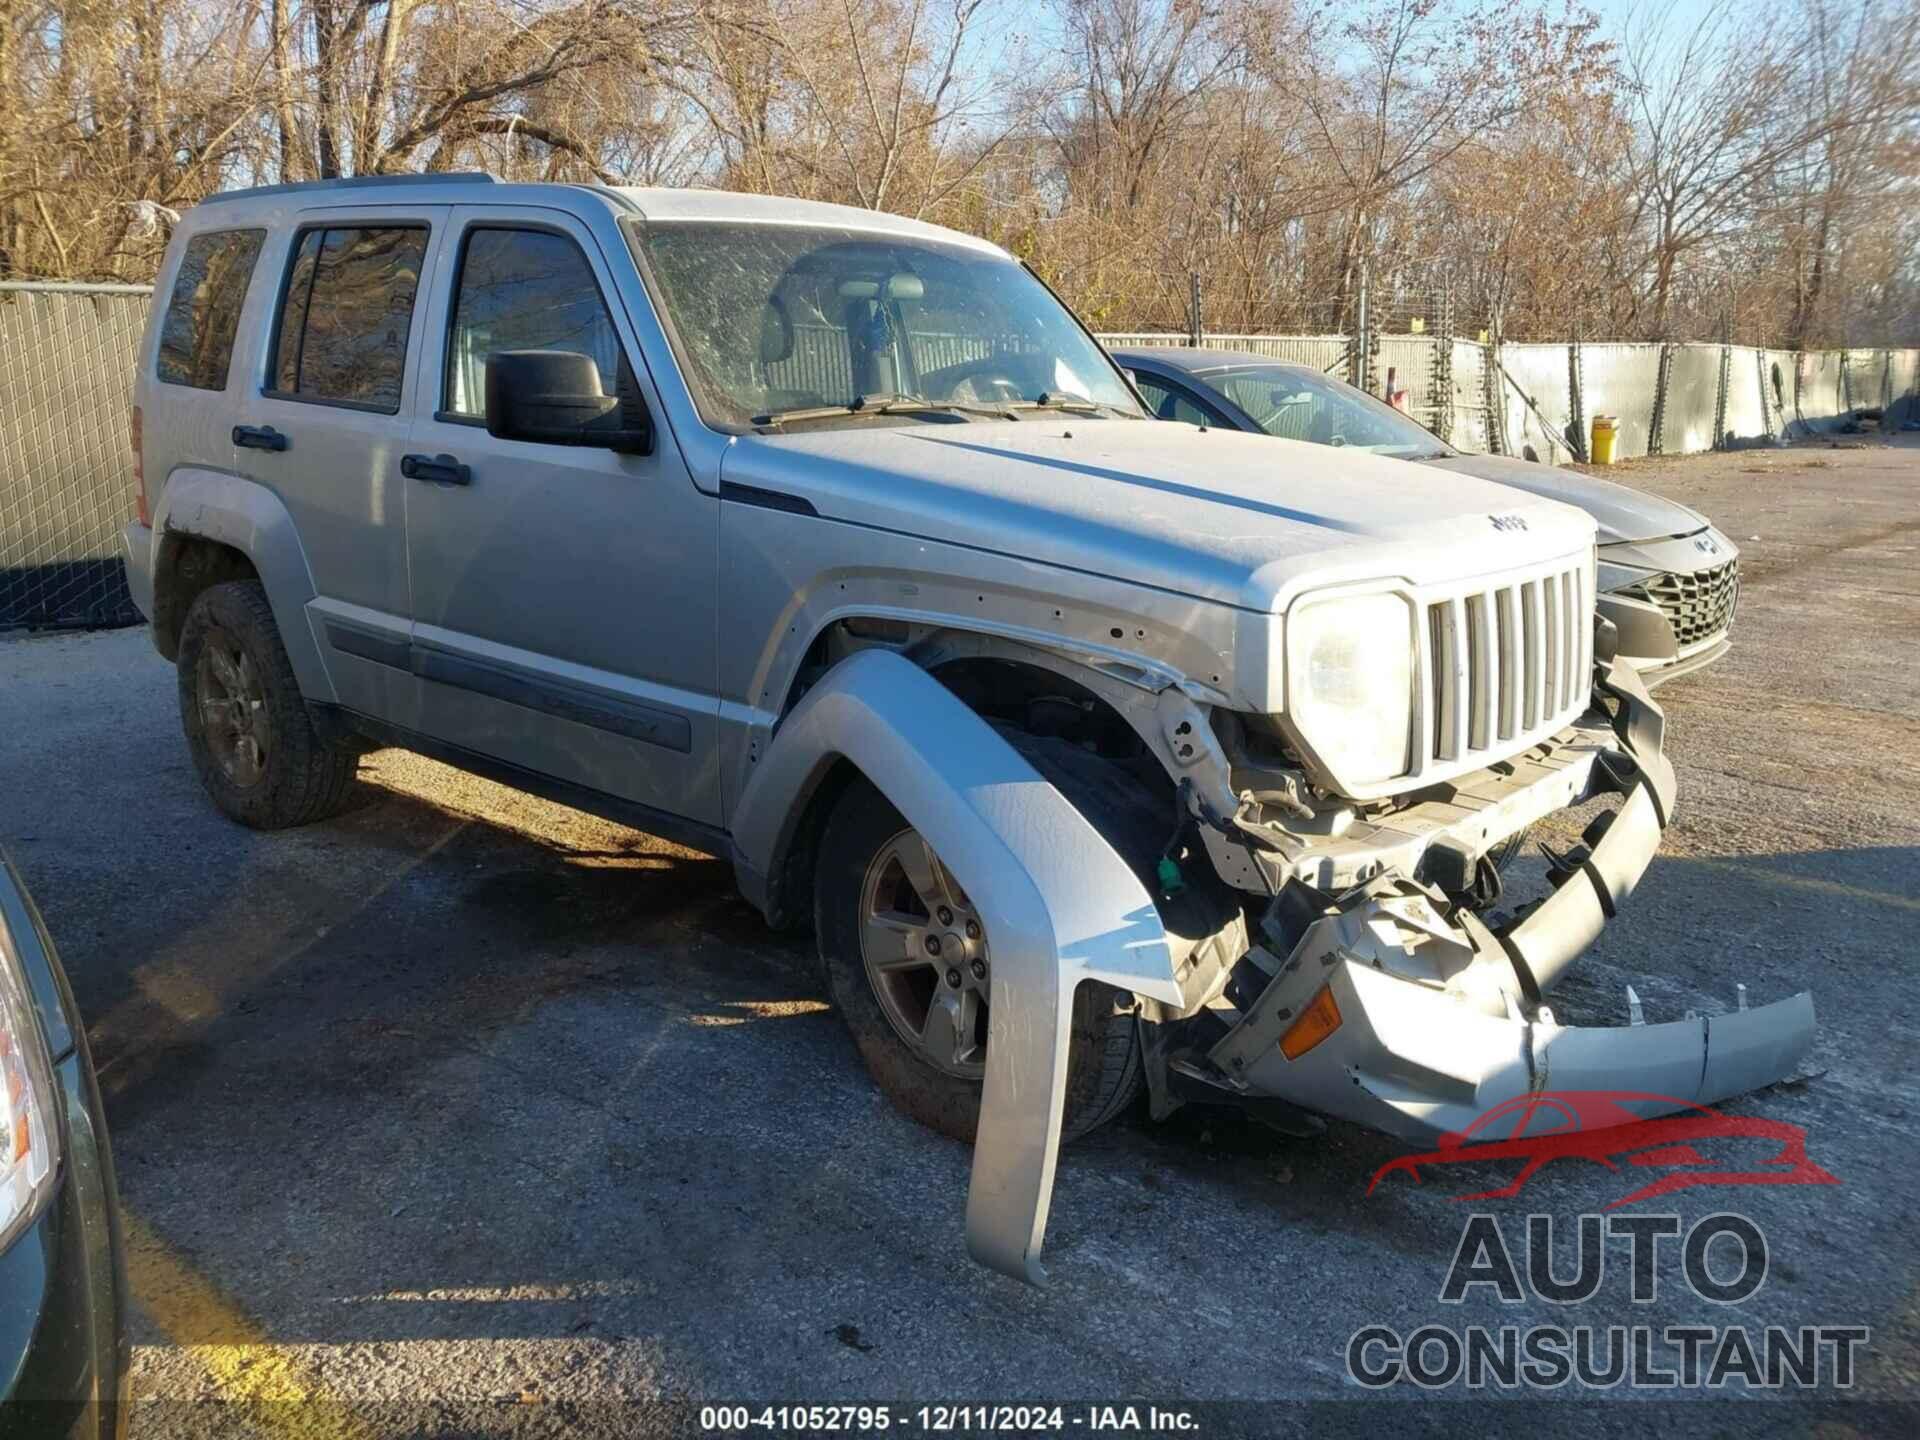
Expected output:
(788, 325)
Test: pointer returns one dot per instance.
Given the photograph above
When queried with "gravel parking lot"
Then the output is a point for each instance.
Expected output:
(469, 1112)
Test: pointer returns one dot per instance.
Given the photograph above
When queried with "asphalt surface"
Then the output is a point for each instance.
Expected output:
(468, 1113)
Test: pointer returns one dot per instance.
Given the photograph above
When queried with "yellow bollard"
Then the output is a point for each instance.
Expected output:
(1603, 431)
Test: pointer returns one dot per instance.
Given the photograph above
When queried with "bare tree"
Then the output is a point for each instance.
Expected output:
(1709, 164)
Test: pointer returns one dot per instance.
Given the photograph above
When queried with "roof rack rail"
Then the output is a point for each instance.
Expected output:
(355, 182)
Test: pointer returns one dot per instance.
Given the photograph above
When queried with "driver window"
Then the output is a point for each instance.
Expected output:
(523, 290)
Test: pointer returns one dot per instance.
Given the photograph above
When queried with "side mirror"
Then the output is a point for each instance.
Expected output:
(554, 397)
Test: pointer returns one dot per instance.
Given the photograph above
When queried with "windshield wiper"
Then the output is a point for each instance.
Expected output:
(883, 405)
(1068, 405)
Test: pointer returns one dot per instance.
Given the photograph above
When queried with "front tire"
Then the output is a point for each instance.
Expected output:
(253, 743)
(918, 1015)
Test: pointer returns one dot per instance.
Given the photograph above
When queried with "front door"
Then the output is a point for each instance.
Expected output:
(563, 596)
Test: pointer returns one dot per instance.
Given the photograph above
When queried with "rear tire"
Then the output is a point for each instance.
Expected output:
(1104, 1062)
(253, 743)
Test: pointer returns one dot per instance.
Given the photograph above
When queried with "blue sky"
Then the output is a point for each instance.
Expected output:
(1035, 24)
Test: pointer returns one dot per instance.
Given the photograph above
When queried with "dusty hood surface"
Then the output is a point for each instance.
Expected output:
(1621, 513)
(1214, 514)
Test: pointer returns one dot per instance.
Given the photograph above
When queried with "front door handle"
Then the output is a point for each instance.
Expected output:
(259, 437)
(440, 469)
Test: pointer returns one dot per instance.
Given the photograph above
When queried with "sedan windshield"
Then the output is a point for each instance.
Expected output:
(782, 325)
(1301, 405)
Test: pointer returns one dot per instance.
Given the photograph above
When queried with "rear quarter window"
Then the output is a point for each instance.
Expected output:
(203, 313)
(342, 331)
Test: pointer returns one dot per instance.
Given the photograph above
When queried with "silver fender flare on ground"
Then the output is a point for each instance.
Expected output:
(1058, 903)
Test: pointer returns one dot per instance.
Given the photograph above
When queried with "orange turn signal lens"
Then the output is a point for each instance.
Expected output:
(1319, 1020)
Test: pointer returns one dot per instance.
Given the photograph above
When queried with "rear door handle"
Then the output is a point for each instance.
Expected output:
(440, 469)
(259, 437)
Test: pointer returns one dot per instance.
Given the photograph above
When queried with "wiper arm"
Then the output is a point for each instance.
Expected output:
(883, 405)
(1067, 404)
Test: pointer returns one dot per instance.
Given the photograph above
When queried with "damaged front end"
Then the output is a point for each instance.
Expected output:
(1390, 1003)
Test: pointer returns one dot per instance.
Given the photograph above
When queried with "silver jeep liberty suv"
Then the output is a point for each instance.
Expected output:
(1101, 755)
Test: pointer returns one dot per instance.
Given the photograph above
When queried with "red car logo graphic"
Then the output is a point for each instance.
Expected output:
(1693, 1148)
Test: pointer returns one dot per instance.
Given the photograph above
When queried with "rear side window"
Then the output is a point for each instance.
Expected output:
(203, 313)
(342, 334)
(523, 290)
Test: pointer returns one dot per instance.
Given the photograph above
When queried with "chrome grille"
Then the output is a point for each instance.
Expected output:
(1504, 666)
(1698, 604)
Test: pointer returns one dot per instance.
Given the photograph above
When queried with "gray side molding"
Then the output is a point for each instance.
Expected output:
(1059, 905)
(249, 517)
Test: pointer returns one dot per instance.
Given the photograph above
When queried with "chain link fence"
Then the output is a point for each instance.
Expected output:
(66, 477)
(67, 356)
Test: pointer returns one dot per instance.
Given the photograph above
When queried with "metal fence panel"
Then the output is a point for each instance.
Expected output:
(1117, 340)
(1906, 379)
(66, 481)
(1620, 380)
(1820, 395)
(1470, 418)
(1864, 376)
(1411, 359)
(1693, 399)
(1745, 419)
(1537, 373)
(1775, 379)
(1323, 352)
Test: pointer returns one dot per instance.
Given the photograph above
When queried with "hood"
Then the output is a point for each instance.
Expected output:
(1621, 513)
(1245, 520)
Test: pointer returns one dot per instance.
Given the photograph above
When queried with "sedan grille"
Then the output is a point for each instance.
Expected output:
(1699, 604)
(1504, 667)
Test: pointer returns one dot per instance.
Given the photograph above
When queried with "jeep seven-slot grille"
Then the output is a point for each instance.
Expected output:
(1698, 604)
(1506, 664)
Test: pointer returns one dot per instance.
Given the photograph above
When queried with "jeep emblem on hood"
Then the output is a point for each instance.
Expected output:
(1508, 522)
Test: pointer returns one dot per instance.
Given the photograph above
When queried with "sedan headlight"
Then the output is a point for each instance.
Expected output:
(1350, 683)
(28, 1146)
(1608, 579)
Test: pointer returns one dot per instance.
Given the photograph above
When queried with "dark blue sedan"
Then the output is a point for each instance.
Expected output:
(63, 1278)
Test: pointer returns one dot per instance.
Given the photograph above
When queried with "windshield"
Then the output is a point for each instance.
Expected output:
(771, 320)
(1301, 405)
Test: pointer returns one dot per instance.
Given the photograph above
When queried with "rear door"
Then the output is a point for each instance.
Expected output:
(185, 384)
(563, 596)
(326, 422)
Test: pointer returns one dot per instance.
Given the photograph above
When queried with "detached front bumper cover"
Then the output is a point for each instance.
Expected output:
(1440, 1020)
